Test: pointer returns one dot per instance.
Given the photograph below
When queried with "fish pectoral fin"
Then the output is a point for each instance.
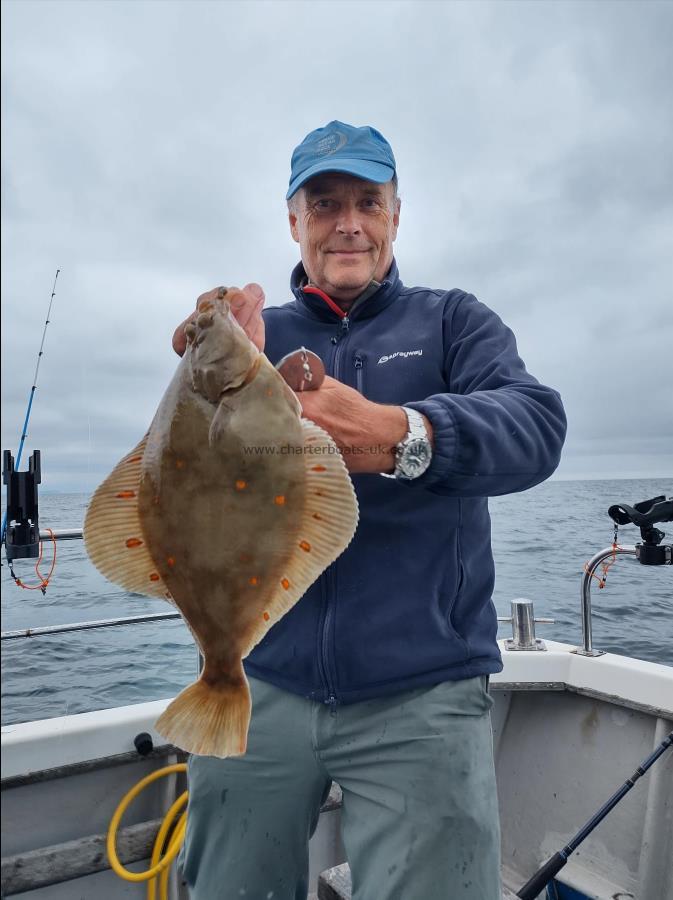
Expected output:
(220, 422)
(113, 534)
(328, 523)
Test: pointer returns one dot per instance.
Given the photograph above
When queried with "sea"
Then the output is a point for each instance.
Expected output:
(541, 540)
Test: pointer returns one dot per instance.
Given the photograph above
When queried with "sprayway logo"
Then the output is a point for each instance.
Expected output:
(403, 353)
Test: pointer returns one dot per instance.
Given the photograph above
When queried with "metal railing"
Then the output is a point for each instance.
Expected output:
(521, 617)
(585, 596)
(65, 534)
(84, 626)
(74, 534)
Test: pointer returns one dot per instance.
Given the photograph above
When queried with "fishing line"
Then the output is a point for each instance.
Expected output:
(24, 432)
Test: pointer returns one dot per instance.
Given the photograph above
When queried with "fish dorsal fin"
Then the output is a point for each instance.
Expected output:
(113, 534)
(327, 527)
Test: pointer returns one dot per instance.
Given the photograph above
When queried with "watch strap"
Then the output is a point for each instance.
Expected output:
(416, 425)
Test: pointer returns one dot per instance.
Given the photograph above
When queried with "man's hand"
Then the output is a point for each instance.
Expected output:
(365, 432)
(246, 307)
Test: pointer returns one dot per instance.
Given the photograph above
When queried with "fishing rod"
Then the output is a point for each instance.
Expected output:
(543, 876)
(24, 484)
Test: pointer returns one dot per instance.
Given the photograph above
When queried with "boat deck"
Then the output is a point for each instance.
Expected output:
(568, 730)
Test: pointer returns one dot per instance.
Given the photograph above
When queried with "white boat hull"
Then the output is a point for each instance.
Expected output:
(568, 731)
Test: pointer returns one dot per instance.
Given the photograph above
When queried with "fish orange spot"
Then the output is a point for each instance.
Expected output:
(266, 616)
(285, 583)
(279, 500)
(133, 542)
(269, 393)
(241, 485)
(253, 581)
(305, 546)
(319, 468)
(245, 557)
(126, 495)
(317, 516)
(154, 576)
(135, 459)
(171, 561)
(179, 463)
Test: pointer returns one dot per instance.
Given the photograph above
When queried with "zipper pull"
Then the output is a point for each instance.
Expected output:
(343, 330)
(332, 703)
(359, 372)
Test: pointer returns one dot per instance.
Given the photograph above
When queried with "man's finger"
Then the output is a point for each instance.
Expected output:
(211, 295)
(246, 307)
(179, 337)
(255, 289)
(247, 315)
(247, 303)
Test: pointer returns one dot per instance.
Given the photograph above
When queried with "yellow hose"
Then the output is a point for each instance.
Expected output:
(158, 866)
(176, 840)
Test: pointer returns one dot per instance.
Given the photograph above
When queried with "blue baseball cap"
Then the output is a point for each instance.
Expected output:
(362, 152)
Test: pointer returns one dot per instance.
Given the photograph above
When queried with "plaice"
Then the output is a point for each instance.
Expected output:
(230, 507)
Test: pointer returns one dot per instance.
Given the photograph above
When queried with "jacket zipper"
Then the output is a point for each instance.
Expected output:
(330, 582)
(344, 325)
(338, 341)
(359, 364)
(329, 578)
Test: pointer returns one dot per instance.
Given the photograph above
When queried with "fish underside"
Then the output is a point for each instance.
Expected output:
(230, 507)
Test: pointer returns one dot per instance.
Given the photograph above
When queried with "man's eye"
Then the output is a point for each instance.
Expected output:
(369, 202)
(324, 204)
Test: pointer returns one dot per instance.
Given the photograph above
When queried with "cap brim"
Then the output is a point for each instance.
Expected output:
(359, 168)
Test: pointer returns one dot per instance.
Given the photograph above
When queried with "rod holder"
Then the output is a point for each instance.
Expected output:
(21, 528)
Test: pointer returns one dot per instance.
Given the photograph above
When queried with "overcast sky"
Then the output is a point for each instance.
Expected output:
(146, 151)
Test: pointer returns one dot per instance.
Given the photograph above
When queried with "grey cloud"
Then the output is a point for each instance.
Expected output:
(146, 153)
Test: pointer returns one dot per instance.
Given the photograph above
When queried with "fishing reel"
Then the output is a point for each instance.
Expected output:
(22, 534)
(645, 515)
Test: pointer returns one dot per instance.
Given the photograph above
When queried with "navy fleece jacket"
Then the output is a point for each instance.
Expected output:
(409, 601)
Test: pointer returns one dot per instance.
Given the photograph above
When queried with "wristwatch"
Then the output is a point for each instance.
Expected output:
(413, 454)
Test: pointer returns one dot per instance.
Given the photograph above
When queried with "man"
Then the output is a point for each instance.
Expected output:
(377, 678)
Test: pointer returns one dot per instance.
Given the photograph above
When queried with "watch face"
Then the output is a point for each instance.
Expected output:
(415, 459)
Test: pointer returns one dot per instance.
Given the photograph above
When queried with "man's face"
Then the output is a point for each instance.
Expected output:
(345, 227)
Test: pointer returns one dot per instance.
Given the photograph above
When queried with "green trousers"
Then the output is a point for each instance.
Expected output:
(419, 818)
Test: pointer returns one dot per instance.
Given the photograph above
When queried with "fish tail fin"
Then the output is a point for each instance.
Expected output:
(210, 717)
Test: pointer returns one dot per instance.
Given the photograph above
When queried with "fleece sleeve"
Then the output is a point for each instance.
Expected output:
(497, 430)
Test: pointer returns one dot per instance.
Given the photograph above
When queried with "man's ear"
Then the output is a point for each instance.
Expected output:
(292, 219)
(396, 217)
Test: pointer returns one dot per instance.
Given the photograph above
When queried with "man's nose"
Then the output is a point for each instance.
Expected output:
(348, 221)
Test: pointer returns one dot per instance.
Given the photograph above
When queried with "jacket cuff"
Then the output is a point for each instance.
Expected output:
(445, 443)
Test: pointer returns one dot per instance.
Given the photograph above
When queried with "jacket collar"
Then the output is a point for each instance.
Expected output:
(368, 304)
